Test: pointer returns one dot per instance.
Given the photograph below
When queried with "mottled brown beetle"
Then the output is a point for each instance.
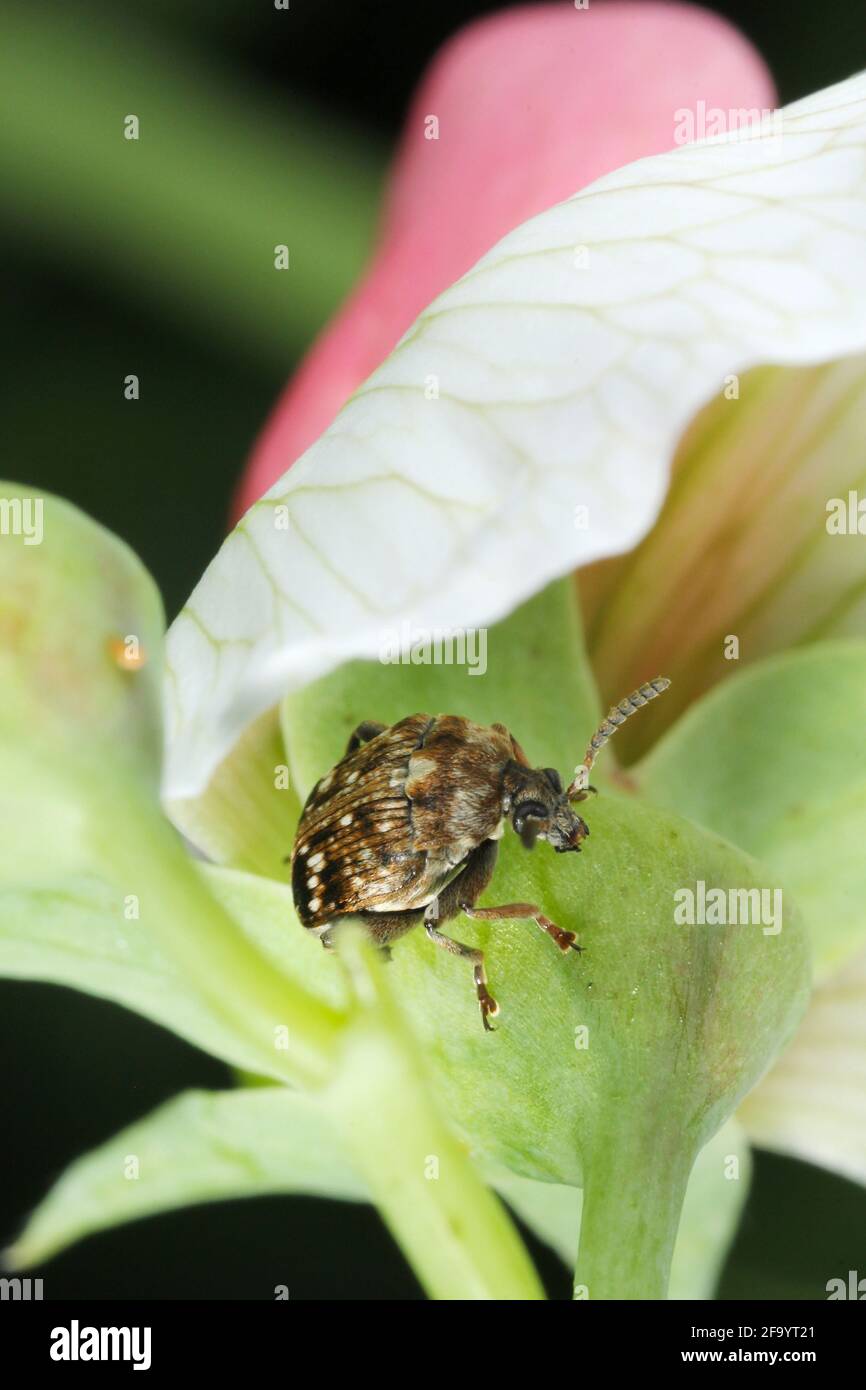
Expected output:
(406, 827)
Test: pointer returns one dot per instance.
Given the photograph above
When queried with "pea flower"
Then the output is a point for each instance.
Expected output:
(654, 383)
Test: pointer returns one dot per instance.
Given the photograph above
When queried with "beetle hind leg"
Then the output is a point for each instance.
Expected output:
(565, 940)
(465, 888)
(487, 1004)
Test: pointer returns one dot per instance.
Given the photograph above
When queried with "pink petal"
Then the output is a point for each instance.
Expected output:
(532, 104)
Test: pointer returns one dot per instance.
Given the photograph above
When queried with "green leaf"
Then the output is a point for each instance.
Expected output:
(77, 931)
(264, 911)
(82, 636)
(74, 932)
(84, 840)
(246, 816)
(81, 633)
(202, 1147)
(774, 760)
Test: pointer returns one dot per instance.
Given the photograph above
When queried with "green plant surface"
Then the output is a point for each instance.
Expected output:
(682, 1021)
(775, 761)
(99, 754)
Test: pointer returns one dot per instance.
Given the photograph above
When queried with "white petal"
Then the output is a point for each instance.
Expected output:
(813, 1101)
(559, 385)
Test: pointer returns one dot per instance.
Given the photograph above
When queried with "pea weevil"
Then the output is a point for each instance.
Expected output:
(406, 828)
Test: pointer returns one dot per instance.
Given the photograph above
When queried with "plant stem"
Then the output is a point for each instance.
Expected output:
(634, 1189)
(454, 1231)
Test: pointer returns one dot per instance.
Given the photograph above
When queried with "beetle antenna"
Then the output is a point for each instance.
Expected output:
(579, 788)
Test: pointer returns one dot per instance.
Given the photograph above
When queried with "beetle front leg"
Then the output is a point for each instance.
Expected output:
(565, 940)
(463, 892)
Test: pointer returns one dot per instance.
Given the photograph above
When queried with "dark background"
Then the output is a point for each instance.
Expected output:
(76, 318)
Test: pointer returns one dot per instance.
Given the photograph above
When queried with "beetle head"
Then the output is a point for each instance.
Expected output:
(540, 808)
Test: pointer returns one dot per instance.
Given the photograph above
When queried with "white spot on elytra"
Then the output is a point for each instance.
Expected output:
(313, 882)
(316, 860)
(352, 777)
(314, 904)
(347, 818)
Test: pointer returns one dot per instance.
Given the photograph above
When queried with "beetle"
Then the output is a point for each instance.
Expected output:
(405, 828)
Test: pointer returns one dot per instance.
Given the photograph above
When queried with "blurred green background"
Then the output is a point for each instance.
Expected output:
(154, 258)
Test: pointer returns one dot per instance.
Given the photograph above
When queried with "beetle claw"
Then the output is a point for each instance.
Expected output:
(489, 1008)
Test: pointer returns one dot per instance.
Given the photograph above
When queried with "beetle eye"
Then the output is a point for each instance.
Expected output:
(532, 808)
(553, 778)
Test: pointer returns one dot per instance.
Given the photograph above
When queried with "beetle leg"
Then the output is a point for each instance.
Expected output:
(466, 887)
(470, 883)
(367, 729)
(565, 940)
(487, 1004)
